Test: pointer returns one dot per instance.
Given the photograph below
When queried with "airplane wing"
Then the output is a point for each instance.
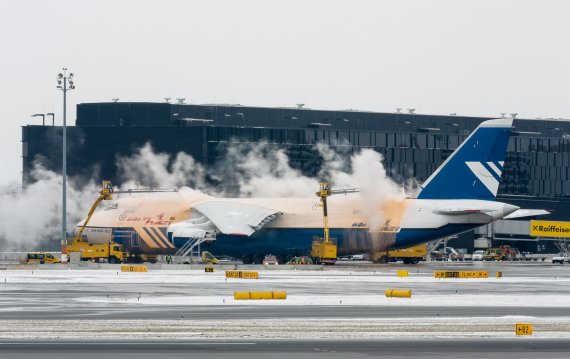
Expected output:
(460, 210)
(236, 218)
(521, 213)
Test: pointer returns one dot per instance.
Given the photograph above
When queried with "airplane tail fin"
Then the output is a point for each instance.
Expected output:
(474, 169)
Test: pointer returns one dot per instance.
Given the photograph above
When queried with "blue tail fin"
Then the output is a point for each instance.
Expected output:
(473, 170)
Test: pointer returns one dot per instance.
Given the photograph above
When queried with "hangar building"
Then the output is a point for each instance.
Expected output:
(537, 168)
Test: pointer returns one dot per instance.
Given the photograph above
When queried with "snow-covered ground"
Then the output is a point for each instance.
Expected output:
(303, 288)
(82, 295)
(285, 328)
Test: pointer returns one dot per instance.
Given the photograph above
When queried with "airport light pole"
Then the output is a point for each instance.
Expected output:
(64, 83)
(43, 116)
(52, 118)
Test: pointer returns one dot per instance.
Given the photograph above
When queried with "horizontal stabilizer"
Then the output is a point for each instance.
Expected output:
(462, 210)
(521, 213)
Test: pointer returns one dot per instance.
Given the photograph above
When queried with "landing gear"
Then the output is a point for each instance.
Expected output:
(382, 260)
(247, 259)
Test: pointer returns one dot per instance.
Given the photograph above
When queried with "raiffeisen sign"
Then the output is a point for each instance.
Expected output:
(550, 229)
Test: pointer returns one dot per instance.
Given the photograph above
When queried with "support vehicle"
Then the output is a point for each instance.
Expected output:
(560, 258)
(324, 250)
(502, 253)
(41, 258)
(412, 255)
(110, 252)
(447, 254)
(208, 258)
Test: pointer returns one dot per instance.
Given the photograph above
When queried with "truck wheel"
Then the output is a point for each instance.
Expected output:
(383, 260)
(406, 260)
(414, 261)
(112, 260)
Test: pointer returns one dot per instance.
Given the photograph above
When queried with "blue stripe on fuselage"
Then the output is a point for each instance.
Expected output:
(285, 241)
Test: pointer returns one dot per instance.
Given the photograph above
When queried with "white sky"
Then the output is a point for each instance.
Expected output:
(470, 57)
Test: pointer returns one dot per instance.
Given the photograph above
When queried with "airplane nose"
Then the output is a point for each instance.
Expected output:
(508, 209)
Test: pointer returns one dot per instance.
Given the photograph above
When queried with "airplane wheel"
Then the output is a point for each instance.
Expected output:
(382, 260)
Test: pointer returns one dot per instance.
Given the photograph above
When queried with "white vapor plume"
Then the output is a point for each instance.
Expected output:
(263, 170)
(157, 170)
(31, 218)
(364, 171)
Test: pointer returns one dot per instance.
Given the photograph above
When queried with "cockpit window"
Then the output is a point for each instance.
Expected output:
(112, 206)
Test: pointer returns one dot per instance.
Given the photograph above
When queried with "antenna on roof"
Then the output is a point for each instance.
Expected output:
(300, 106)
(180, 100)
(115, 99)
(167, 99)
(503, 114)
(398, 110)
(411, 111)
(513, 115)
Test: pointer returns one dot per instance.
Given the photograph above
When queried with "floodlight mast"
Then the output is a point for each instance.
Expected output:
(64, 83)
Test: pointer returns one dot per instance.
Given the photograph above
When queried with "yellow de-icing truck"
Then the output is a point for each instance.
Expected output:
(411, 255)
(111, 252)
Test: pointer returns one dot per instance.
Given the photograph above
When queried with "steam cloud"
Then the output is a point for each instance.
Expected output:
(31, 217)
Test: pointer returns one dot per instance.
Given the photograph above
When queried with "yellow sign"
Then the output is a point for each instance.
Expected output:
(134, 269)
(523, 329)
(402, 273)
(209, 270)
(242, 274)
(445, 274)
(461, 274)
(232, 274)
(249, 275)
(550, 229)
(473, 274)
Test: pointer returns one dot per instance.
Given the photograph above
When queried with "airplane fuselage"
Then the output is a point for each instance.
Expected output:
(141, 221)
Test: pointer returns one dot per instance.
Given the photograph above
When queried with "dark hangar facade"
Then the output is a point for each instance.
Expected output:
(537, 167)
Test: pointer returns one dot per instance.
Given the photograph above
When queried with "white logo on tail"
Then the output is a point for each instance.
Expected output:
(485, 176)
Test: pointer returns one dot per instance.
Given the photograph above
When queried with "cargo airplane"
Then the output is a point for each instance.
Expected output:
(457, 197)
